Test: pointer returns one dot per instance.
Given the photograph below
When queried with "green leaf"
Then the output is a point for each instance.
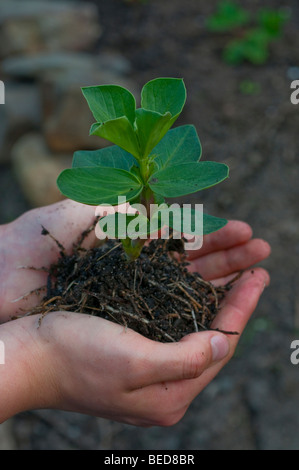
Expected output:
(122, 226)
(98, 185)
(112, 156)
(179, 145)
(187, 178)
(151, 128)
(108, 102)
(272, 21)
(182, 219)
(212, 224)
(187, 220)
(253, 47)
(228, 16)
(120, 132)
(164, 95)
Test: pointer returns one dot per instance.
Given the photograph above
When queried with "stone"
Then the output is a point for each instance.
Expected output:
(36, 169)
(66, 126)
(32, 26)
(67, 117)
(38, 66)
(114, 62)
(21, 113)
(23, 103)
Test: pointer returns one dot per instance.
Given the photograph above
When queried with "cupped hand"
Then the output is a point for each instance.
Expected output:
(23, 247)
(90, 365)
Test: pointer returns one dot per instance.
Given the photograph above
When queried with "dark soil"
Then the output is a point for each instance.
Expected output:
(155, 295)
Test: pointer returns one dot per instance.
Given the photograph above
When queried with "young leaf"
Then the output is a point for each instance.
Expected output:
(164, 95)
(187, 178)
(272, 21)
(187, 220)
(108, 102)
(151, 127)
(120, 132)
(98, 185)
(229, 15)
(179, 145)
(122, 226)
(181, 219)
(212, 224)
(112, 156)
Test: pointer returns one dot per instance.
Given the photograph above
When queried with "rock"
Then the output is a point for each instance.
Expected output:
(39, 65)
(21, 113)
(66, 127)
(23, 103)
(114, 62)
(32, 26)
(36, 169)
(67, 117)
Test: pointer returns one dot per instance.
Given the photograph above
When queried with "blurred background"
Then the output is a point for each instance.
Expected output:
(238, 63)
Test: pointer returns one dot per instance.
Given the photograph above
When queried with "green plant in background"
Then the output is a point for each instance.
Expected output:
(249, 87)
(253, 43)
(252, 47)
(272, 21)
(148, 163)
(228, 16)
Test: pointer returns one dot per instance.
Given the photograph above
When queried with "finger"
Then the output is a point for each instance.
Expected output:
(184, 360)
(237, 308)
(241, 301)
(224, 262)
(239, 305)
(233, 233)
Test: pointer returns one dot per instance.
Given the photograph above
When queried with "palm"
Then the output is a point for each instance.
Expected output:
(23, 247)
(132, 382)
(224, 252)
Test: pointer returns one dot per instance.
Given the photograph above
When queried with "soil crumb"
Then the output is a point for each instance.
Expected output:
(156, 295)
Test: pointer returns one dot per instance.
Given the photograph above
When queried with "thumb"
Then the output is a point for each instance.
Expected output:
(188, 358)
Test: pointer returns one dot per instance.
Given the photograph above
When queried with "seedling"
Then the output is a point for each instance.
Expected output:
(255, 34)
(148, 163)
(228, 16)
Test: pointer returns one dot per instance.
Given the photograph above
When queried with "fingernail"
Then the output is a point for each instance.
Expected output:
(220, 347)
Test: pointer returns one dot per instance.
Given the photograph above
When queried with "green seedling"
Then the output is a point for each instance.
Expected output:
(255, 33)
(249, 87)
(253, 47)
(148, 163)
(228, 16)
(272, 21)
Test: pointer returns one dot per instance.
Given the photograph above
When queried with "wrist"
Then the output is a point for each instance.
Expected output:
(28, 375)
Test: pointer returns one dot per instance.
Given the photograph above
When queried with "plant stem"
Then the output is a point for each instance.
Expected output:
(133, 248)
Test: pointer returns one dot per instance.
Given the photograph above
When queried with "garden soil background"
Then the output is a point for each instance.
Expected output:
(253, 402)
